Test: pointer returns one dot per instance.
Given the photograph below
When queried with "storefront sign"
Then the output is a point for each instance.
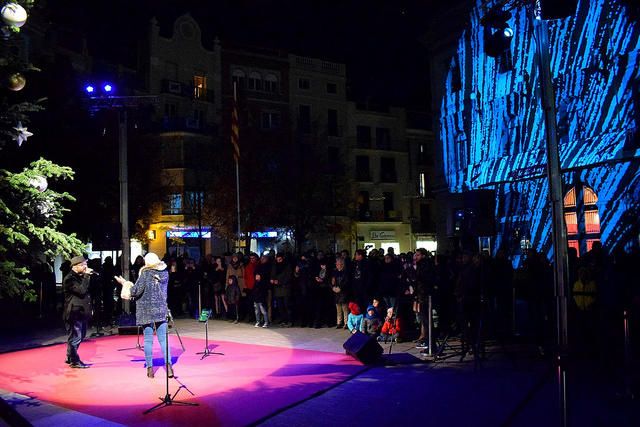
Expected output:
(383, 235)
(263, 234)
(188, 233)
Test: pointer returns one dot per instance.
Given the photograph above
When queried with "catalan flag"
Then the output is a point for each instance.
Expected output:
(235, 130)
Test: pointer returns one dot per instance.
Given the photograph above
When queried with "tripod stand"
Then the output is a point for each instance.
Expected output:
(444, 334)
(204, 318)
(168, 400)
(175, 328)
(137, 346)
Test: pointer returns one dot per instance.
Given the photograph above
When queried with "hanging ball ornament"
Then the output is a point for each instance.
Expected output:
(13, 15)
(16, 82)
(39, 183)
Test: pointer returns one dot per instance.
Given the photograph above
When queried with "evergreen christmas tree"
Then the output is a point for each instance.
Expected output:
(30, 210)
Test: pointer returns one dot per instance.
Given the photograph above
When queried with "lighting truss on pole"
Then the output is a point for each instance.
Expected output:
(122, 104)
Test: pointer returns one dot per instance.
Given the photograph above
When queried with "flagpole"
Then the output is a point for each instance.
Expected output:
(236, 157)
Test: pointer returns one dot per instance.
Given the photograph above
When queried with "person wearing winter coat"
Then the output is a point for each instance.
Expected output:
(371, 322)
(281, 280)
(232, 298)
(354, 320)
(341, 287)
(261, 292)
(390, 328)
(150, 294)
(77, 308)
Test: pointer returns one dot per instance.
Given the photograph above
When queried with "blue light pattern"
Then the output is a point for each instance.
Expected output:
(492, 129)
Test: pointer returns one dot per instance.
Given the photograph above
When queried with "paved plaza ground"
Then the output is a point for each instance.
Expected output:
(511, 385)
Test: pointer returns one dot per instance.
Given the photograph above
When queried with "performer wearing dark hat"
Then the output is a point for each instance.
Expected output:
(77, 308)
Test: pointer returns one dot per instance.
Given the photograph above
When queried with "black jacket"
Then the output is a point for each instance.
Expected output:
(77, 301)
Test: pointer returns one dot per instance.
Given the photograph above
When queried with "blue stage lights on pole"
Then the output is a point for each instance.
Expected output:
(106, 89)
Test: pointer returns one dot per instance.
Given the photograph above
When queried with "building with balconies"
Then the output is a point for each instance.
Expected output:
(318, 106)
(185, 77)
(379, 162)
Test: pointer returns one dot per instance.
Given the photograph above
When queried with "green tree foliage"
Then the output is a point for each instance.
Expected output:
(29, 221)
(31, 211)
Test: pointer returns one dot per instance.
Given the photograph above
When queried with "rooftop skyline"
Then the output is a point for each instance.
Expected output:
(378, 42)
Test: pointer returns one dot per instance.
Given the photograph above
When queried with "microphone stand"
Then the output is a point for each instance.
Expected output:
(206, 351)
(138, 346)
(168, 400)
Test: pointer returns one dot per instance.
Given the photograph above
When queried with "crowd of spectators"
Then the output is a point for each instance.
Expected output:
(387, 295)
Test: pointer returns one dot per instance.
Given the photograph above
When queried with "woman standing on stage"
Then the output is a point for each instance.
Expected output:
(150, 294)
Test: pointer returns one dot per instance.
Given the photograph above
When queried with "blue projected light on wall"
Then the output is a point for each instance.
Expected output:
(188, 232)
(492, 124)
(263, 234)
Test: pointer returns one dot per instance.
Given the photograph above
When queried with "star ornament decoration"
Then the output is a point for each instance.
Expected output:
(22, 134)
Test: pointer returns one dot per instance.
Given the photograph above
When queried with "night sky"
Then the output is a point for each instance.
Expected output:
(378, 40)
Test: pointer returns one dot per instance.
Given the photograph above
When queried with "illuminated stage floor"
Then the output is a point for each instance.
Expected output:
(242, 386)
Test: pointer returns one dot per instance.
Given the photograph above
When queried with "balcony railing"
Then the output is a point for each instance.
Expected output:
(379, 215)
(187, 90)
(188, 124)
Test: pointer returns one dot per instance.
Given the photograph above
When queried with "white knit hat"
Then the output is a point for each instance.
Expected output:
(151, 260)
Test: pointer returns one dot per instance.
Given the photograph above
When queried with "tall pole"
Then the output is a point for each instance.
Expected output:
(238, 201)
(237, 159)
(124, 197)
(555, 193)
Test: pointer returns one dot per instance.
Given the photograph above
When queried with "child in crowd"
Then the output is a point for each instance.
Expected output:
(354, 320)
(231, 297)
(378, 307)
(371, 323)
(390, 328)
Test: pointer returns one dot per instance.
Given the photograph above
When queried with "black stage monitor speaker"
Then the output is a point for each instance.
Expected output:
(363, 347)
(127, 324)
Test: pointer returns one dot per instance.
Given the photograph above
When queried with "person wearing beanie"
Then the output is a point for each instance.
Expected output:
(354, 320)
(150, 293)
(77, 308)
(371, 322)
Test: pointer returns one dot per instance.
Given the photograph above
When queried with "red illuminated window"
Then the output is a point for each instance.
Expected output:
(582, 217)
(571, 219)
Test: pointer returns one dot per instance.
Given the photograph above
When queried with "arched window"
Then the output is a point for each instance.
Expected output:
(255, 81)
(270, 83)
(582, 218)
(239, 78)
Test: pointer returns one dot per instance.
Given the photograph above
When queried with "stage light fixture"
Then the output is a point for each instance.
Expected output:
(107, 88)
(507, 32)
(89, 89)
(497, 32)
